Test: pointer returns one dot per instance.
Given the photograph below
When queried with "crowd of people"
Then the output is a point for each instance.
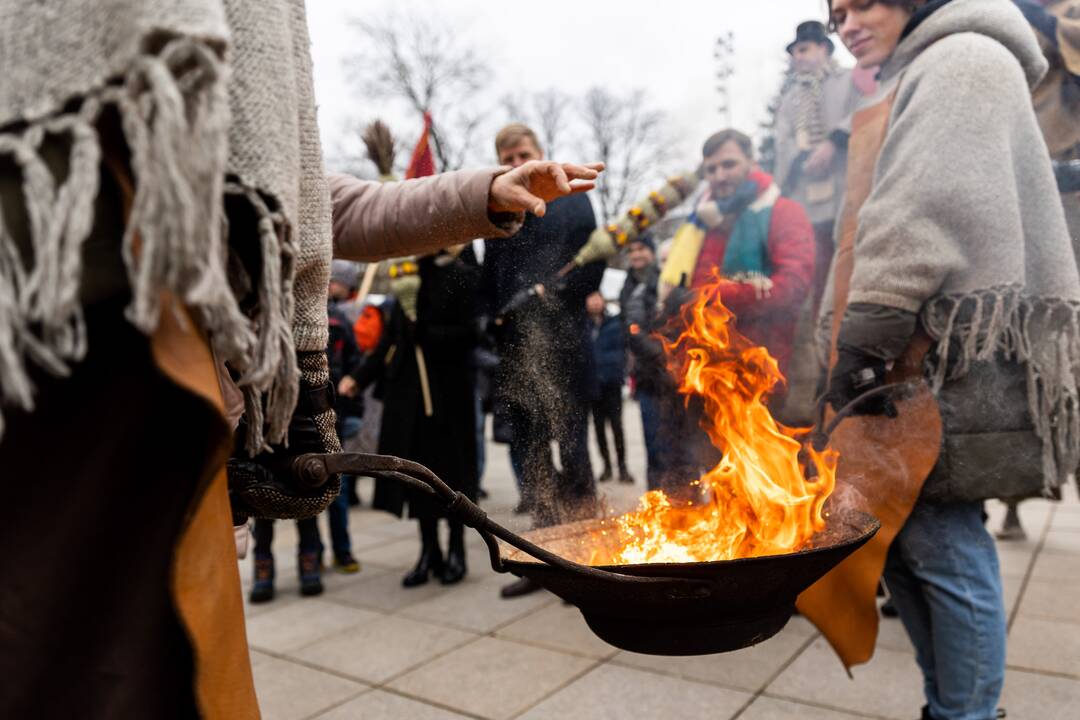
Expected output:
(912, 211)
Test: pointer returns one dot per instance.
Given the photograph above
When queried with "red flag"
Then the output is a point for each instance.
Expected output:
(423, 160)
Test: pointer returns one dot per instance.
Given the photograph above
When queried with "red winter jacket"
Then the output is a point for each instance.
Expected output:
(769, 321)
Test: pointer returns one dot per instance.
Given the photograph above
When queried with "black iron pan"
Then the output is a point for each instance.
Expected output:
(659, 609)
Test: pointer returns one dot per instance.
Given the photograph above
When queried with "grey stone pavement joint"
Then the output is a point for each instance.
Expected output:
(418, 650)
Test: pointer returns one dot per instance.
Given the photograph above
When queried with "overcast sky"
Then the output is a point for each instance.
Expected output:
(666, 47)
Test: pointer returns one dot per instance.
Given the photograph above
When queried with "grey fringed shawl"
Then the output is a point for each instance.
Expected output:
(964, 225)
(215, 99)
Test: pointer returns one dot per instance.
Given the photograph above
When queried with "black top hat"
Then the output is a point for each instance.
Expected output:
(811, 31)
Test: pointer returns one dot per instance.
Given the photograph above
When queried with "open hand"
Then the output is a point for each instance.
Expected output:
(347, 387)
(532, 186)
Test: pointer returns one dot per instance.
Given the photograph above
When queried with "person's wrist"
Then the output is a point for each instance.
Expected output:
(496, 205)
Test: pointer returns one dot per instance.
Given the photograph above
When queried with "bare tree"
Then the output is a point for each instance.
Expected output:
(625, 134)
(545, 112)
(412, 60)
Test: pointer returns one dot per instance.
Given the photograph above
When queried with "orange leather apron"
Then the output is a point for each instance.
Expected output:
(883, 462)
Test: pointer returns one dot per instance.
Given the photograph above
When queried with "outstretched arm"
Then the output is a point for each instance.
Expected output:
(374, 221)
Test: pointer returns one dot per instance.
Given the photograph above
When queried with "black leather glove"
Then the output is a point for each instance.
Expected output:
(520, 299)
(856, 373)
(676, 299)
(263, 486)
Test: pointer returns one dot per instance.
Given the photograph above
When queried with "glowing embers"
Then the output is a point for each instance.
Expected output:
(758, 499)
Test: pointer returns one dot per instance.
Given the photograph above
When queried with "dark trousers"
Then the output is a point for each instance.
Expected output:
(555, 495)
(607, 410)
(309, 536)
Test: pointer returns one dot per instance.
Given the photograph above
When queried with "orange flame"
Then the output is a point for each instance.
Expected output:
(757, 500)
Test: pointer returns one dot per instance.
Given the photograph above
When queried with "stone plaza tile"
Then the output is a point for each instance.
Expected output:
(1044, 645)
(288, 691)
(1052, 601)
(1068, 521)
(747, 669)
(492, 678)
(893, 636)
(1066, 518)
(258, 657)
(396, 554)
(1040, 697)
(1063, 542)
(1014, 559)
(280, 600)
(1057, 567)
(767, 708)
(558, 627)
(377, 651)
(381, 589)
(799, 625)
(610, 692)
(381, 705)
(889, 686)
(301, 623)
(364, 518)
(476, 606)
(364, 540)
(399, 529)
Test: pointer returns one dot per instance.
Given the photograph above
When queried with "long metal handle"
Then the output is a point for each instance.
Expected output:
(820, 433)
(313, 467)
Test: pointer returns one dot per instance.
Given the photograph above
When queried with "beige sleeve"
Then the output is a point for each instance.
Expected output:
(374, 221)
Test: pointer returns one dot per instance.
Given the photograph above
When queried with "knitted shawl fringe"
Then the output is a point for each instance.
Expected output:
(174, 113)
(1042, 334)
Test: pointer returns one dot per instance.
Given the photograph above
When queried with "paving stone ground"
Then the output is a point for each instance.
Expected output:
(370, 649)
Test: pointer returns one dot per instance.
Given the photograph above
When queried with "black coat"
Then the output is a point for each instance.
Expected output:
(534, 255)
(344, 358)
(647, 373)
(445, 330)
(609, 350)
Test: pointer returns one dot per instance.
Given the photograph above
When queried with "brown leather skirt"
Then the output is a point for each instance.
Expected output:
(104, 483)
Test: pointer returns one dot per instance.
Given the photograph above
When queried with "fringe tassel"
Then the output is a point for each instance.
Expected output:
(1043, 334)
(273, 371)
(174, 113)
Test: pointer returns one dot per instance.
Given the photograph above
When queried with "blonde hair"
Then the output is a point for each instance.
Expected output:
(513, 134)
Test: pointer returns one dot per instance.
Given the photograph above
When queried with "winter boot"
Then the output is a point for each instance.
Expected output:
(431, 559)
(262, 590)
(454, 570)
(310, 567)
(1011, 529)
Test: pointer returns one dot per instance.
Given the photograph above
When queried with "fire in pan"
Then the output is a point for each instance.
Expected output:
(691, 608)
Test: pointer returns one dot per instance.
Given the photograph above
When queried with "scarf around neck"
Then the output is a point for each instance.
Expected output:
(746, 253)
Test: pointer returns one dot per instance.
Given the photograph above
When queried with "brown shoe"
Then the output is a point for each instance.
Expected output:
(524, 586)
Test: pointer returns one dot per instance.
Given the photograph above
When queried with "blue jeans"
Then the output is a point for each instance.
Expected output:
(338, 512)
(942, 571)
(308, 530)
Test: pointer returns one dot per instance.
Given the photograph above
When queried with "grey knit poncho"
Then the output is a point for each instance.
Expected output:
(215, 100)
(964, 225)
